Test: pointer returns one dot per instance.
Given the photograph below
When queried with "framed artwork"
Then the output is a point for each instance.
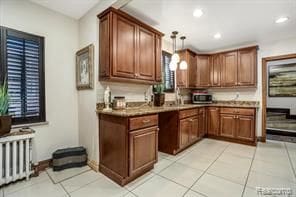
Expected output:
(282, 80)
(84, 68)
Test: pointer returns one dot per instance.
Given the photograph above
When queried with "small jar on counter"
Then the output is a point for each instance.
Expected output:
(119, 102)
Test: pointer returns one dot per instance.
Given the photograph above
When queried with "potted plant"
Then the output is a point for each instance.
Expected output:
(159, 96)
(5, 119)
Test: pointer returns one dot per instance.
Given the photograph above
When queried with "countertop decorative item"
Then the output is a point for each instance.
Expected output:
(84, 68)
(107, 98)
(159, 96)
(119, 103)
(5, 118)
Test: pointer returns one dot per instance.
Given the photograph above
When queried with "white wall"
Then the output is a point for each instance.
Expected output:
(61, 43)
(281, 102)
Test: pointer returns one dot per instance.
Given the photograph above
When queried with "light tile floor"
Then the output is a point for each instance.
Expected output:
(209, 168)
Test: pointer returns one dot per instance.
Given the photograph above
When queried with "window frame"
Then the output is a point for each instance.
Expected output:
(163, 54)
(3, 68)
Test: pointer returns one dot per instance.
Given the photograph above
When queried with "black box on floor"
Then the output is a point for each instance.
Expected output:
(69, 158)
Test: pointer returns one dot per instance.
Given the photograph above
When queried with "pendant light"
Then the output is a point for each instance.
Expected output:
(183, 63)
(175, 57)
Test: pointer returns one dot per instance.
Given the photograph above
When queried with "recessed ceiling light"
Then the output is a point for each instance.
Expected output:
(281, 19)
(197, 13)
(217, 36)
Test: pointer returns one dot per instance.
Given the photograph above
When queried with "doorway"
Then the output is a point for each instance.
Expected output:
(279, 115)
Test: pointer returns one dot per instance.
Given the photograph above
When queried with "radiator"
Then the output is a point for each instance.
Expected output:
(16, 157)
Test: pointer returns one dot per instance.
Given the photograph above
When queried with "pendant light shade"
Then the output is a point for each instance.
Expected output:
(183, 65)
(173, 65)
(176, 58)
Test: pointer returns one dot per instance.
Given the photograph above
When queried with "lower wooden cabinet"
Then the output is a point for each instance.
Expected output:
(238, 124)
(189, 131)
(202, 127)
(143, 149)
(128, 146)
(213, 121)
(227, 125)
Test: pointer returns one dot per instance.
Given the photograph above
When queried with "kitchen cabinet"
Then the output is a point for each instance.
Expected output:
(216, 70)
(178, 130)
(213, 121)
(202, 122)
(130, 51)
(229, 69)
(246, 67)
(203, 70)
(187, 78)
(238, 124)
(128, 146)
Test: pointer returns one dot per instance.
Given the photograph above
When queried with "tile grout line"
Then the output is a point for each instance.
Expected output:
(249, 172)
(290, 160)
(64, 189)
(204, 172)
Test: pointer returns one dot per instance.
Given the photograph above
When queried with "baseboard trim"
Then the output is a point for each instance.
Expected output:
(93, 165)
(41, 166)
(261, 139)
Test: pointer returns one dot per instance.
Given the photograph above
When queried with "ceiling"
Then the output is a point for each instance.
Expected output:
(72, 8)
(240, 22)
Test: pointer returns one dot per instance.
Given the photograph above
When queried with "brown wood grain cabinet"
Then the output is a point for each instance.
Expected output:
(129, 50)
(128, 146)
(229, 69)
(213, 121)
(216, 70)
(238, 124)
(203, 70)
(202, 122)
(246, 67)
(178, 130)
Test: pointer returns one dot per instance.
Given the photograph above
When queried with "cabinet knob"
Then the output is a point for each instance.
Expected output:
(146, 121)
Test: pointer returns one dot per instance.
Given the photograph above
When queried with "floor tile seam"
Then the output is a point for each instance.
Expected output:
(19, 181)
(246, 181)
(204, 172)
(68, 193)
(290, 160)
(130, 190)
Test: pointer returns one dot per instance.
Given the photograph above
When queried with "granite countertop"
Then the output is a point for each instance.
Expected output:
(142, 110)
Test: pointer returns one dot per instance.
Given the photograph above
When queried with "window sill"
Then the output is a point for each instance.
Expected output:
(29, 125)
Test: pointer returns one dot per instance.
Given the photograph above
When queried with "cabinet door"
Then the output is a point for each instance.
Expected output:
(185, 129)
(202, 124)
(227, 125)
(247, 67)
(194, 134)
(216, 70)
(203, 66)
(245, 128)
(146, 55)
(158, 67)
(213, 121)
(193, 74)
(143, 149)
(229, 69)
(182, 75)
(124, 47)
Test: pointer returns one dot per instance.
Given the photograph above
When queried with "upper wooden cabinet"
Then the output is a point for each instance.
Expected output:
(129, 50)
(203, 70)
(247, 67)
(215, 71)
(229, 69)
(236, 68)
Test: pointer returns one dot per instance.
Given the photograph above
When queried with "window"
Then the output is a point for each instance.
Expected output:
(22, 65)
(169, 76)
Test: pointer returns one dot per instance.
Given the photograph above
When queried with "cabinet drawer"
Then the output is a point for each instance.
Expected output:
(187, 113)
(241, 111)
(143, 122)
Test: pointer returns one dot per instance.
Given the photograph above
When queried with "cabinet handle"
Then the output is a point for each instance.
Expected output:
(146, 121)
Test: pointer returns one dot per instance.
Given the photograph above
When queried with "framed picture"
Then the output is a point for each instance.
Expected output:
(84, 68)
(282, 80)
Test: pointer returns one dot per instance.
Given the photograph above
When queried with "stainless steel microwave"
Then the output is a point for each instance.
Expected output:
(200, 98)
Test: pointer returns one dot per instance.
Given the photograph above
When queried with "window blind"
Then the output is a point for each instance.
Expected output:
(169, 76)
(24, 74)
